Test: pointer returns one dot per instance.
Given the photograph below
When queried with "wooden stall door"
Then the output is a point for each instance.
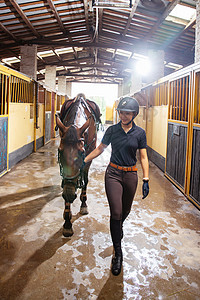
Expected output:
(194, 186)
(3, 145)
(177, 139)
(176, 152)
(4, 103)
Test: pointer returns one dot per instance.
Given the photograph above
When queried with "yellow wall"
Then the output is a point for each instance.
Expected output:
(157, 118)
(40, 130)
(140, 119)
(21, 126)
(154, 122)
(109, 113)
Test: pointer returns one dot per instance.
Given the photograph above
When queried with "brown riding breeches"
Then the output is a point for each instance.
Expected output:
(120, 190)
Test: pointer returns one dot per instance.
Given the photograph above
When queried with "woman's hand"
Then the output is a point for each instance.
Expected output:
(145, 188)
(145, 168)
(96, 152)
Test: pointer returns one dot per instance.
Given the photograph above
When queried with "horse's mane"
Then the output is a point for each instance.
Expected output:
(91, 106)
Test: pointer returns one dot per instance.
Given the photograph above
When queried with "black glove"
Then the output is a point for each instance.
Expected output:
(145, 188)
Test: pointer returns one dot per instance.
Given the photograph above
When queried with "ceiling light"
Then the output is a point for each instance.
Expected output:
(143, 67)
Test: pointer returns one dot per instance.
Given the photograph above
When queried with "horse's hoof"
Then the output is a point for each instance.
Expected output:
(67, 232)
(83, 211)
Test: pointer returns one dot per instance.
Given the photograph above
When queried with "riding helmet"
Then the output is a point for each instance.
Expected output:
(128, 104)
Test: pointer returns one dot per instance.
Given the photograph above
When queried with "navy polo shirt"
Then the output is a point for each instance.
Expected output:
(124, 145)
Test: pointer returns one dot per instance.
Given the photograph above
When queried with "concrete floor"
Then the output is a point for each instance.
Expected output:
(161, 244)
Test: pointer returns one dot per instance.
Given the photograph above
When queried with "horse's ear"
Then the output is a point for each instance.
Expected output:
(84, 127)
(60, 125)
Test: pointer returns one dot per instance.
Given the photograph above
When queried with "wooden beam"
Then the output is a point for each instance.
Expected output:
(180, 33)
(41, 58)
(130, 16)
(115, 45)
(56, 15)
(90, 75)
(85, 3)
(66, 32)
(24, 17)
(71, 63)
(167, 11)
(56, 54)
(8, 32)
(100, 19)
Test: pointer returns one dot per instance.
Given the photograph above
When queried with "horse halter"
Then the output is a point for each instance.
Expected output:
(78, 179)
(70, 179)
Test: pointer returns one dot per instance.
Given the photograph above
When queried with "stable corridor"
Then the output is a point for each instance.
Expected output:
(161, 242)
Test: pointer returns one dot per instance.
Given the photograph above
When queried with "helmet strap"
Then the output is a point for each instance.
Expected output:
(129, 122)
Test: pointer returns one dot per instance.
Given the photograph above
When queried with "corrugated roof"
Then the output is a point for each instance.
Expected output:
(85, 32)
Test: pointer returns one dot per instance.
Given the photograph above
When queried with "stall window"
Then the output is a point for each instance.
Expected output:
(197, 100)
(4, 94)
(178, 99)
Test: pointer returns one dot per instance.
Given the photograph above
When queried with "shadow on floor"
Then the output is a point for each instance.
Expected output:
(12, 288)
(113, 288)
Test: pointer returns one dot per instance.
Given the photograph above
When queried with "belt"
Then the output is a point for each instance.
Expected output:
(132, 168)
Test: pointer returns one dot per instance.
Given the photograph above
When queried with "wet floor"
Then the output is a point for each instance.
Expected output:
(161, 242)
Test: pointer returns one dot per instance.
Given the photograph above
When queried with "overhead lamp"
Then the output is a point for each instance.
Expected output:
(112, 4)
(143, 67)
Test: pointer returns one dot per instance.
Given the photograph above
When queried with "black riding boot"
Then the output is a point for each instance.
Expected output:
(115, 230)
(124, 216)
(122, 232)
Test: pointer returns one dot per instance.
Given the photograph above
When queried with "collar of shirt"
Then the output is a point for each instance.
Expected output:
(132, 129)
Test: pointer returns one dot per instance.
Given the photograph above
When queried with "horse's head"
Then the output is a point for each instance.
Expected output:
(71, 152)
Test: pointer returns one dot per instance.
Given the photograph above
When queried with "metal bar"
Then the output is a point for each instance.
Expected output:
(25, 91)
(180, 98)
(198, 97)
(183, 99)
(177, 98)
(173, 100)
(29, 92)
(1, 78)
(2, 93)
(21, 90)
(6, 94)
(189, 133)
(186, 98)
(11, 88)
(17, 90)
(170, 105)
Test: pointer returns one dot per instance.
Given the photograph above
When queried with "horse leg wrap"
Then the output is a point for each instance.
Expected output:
(83, 198)
(83, 209)
(67, 215)
(67, 226)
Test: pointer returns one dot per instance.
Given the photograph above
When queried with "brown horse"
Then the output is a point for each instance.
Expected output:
(77, 125)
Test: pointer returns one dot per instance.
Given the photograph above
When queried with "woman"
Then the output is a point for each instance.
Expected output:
(121, 174)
